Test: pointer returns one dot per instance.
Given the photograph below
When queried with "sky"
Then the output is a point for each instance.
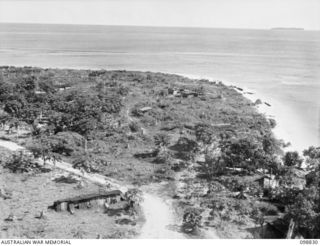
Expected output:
(255, 14)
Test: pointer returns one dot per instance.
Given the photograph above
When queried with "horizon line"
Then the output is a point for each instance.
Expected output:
(158, 26)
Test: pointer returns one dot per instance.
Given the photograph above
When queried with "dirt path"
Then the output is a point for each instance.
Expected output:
(94, 178)
(161, 222)
(159, 219)
(181, 186)
(10, 145)
(158, 213)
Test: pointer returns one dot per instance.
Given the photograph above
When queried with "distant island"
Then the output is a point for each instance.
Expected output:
(288, 28)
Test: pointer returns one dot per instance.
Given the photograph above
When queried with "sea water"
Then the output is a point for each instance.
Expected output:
(280, 66)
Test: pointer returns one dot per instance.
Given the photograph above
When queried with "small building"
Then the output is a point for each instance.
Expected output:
(88, 201)
(268, 182)
(64, 88)
(188, 93)
(172, 91)
(39, 92)
(145, 109)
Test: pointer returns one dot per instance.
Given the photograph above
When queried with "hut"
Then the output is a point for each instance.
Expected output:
(268, 182)
(145, 109)
(88, 201)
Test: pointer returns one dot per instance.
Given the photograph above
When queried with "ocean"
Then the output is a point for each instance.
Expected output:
(281, 67)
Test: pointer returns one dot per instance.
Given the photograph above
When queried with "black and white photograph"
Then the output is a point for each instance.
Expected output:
(159, 119)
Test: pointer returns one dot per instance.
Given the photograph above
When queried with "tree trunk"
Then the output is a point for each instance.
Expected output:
(261, 230)
(85, 145)
(17, 132)
(290, 229)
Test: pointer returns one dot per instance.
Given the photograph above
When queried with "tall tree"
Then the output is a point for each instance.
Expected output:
(292, 159)
(43, 148)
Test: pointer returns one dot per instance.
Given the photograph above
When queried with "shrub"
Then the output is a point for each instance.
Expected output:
(162, 140)
(285, 196)
(213, 165)
(135, 112)
(292, 159)
(20, 162)
(272, 123)
(134, 127)
(88, 163)
(191, 220)
(66, 143)
(305, 214)
(179, 165)
(268, 209)
(44, 148)
(165, 173)
(163, 156)
(185, 144)
(204, 133)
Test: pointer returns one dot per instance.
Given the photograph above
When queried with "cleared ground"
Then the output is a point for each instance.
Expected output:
(33, 193)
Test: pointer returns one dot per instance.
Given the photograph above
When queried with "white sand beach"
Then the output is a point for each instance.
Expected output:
(288, 126)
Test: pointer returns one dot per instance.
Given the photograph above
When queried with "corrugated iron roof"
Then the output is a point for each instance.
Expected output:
(89, 197)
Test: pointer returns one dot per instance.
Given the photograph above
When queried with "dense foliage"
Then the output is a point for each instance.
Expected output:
(20, 162)
(292, 159)
(32, 100)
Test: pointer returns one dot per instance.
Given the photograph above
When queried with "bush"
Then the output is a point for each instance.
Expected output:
(134, 127)
(191, 220)
(89, 163)
(20, 162)
(205, 133)
(165, 173)
(135, 112)
(292, 159)
(268, 209)
(162, 157)
(272, 123)
(232, 183)
(212, 166)
(43, 148)
(179, 166)
(66, 143)
(185, 144)
(162, 140)
(285, 196)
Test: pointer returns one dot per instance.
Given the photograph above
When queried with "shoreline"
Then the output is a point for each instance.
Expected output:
(270, 111)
